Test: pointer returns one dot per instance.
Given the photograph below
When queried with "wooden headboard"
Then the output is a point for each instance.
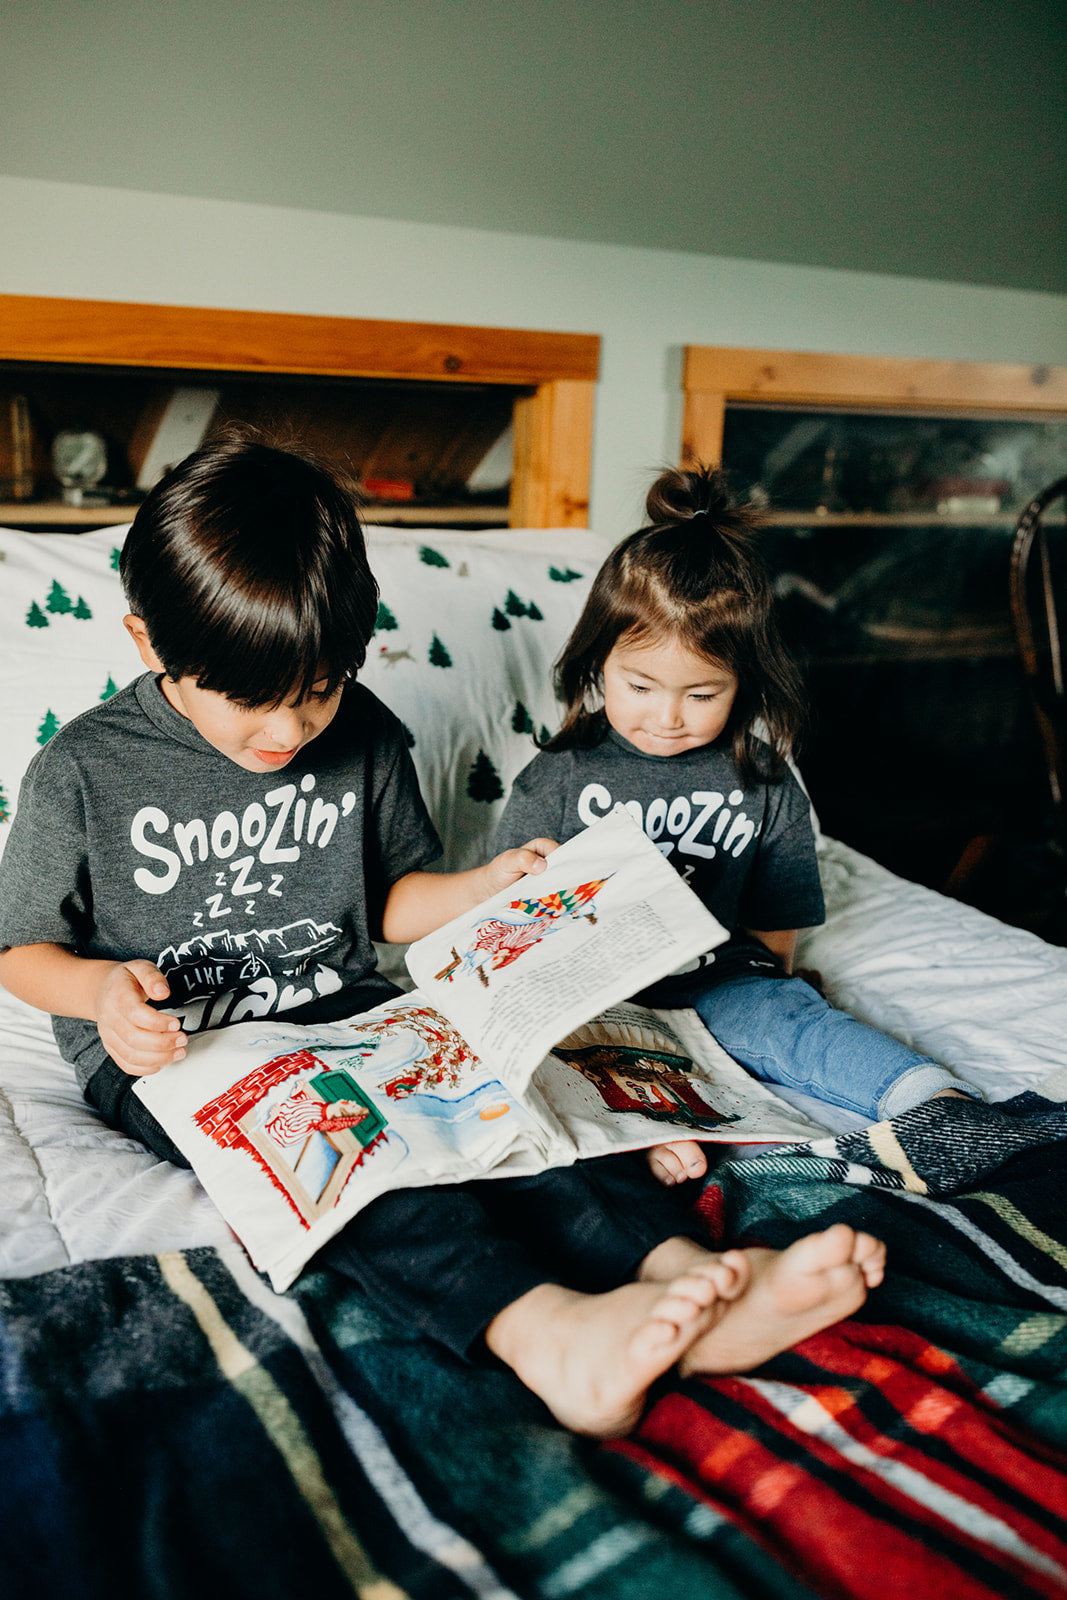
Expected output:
(553, 375)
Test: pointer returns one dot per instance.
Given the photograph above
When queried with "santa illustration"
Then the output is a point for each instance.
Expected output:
(500, 941)
(302, 1114)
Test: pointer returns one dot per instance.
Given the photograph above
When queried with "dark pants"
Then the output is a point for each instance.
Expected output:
(446, 1260)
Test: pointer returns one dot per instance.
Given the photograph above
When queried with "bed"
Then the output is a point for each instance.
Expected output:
(172, 1427)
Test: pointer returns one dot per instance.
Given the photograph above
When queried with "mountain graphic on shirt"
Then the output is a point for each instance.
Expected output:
(211, 962)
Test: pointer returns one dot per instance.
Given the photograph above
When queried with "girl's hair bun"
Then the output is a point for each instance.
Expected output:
(681, 493)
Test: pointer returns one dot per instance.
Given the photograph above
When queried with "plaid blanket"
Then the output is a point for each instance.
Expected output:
(169, 1427)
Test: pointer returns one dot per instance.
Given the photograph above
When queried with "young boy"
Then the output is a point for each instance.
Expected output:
(224, 839)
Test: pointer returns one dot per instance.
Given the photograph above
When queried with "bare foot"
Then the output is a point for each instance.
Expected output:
(593, 1358)
(729, 1270)
(674, 1163)
(792, 1294)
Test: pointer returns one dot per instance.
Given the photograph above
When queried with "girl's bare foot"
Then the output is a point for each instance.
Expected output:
(675, 1162)
(791, 1294)
(593, 1358)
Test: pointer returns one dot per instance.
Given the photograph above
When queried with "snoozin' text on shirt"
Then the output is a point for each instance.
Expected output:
(273, 832)
(701, 824)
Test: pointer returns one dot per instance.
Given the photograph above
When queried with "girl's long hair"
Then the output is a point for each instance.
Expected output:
(694, 574)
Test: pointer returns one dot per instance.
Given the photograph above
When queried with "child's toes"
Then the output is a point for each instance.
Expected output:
(666, 1166)
(731, 1274)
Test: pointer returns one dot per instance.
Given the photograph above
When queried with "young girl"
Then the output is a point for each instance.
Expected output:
(681, 703)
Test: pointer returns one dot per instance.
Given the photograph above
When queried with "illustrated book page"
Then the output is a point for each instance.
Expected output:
(607, 917)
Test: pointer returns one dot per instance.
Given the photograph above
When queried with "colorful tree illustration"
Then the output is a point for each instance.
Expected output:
(521, 719)
(433, 558)
(81, 610)
(562, 902)
(544, 736)
(384, 622)
(116, 557)
(439, 656)
(110, 688)
(513, 605)
(5, 808)
(58, 600)
(483, 782)
(563, 577)
(534, 612)
(49, 724)
(35, 617)
(500, 621)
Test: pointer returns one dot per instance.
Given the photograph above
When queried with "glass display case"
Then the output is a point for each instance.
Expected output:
(890, 493)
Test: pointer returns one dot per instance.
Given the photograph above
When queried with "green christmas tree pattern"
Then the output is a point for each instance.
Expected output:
(433, 558)
(483, 783)
(500, 621)
(110, 688)
(59, 600)
(384, 622)
(439, 656)
(514, 607)
(544, 736)
(49, 724)
(559, 576)
(59, 604)
(521, 719)
(5, 808)
(116, 557)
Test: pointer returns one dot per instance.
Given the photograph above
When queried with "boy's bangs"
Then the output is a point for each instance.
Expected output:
(259, 654)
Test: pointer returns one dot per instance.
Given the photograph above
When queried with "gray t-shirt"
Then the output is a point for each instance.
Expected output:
(253, 893)
(747, 852)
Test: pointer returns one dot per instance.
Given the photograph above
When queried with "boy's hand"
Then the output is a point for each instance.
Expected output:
(138, 1038)
(674, 1163)
(511, 865)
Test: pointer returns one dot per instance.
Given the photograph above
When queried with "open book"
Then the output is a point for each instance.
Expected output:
(512, 1054)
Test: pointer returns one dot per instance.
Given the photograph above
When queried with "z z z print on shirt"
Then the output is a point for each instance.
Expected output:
(263, 826)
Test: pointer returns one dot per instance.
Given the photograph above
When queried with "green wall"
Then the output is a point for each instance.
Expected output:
(915, 137)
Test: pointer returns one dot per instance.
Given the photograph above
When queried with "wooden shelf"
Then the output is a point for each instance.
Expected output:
(45, 514)
(53, 514)
(887, 519)
(547, 381)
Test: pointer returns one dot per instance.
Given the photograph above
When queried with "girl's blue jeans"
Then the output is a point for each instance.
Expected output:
(784, 1032)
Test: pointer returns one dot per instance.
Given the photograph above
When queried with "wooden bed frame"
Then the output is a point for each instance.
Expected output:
(553, 419)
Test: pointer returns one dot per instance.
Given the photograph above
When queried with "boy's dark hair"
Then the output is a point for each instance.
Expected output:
(694, 574)
(247, 565)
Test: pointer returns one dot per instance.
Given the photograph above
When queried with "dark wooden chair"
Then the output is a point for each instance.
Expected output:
(1038, 589)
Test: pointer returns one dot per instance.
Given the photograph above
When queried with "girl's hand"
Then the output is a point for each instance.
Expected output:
(136, 1036)
(511, 865)
(674, 1163)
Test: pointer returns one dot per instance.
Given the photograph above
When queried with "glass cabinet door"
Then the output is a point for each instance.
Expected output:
(889, 535)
